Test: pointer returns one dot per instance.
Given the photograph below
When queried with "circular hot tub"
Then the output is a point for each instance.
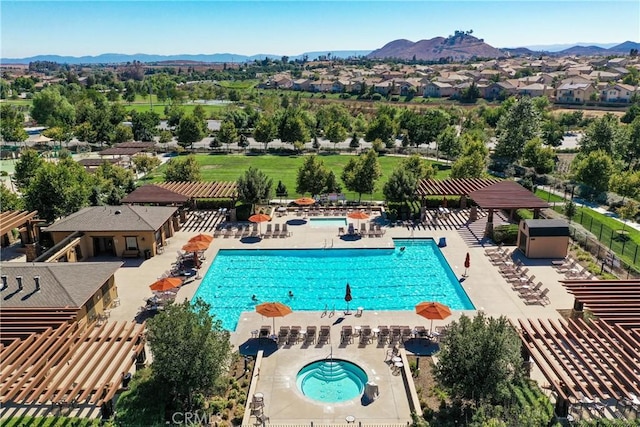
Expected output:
(331, 380)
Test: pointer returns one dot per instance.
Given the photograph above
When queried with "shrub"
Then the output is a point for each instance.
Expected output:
(217, 404)
(506, 234)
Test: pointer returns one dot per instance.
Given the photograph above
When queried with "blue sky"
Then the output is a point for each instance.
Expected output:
(289, 28)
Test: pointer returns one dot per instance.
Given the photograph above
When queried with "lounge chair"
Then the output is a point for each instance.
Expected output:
(310, 337)
(537, 298)
(285, 231)
(383, 335)
(340, 231)
(269, 231)
(351, 231)
(406, 333)
(294, 335)
(283, 335)
(276, 231)
(420, 332)
(265, 331)
(396, 334)
(379, 231)
(219, 231)
(346, 335)
(372, 230)
(324, 337)
(254, 231)
(527, 289)
(365, 335)
(363, 229)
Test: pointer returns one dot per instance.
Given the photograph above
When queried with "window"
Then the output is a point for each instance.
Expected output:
(131, 242)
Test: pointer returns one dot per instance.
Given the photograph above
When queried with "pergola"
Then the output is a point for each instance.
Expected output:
(21, 322)
(203, 190)
(72, 365)
(614, 301)
(155, 194)
(17, 219)
(127, 148)
(586, 363)
(506, 195)
(452, 186)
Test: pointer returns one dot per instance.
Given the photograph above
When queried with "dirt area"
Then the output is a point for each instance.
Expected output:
(591, 113)
(425, 383)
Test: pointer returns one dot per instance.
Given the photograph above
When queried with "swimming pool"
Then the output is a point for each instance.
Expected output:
(331, 380)
(380, 279)
(327, 222)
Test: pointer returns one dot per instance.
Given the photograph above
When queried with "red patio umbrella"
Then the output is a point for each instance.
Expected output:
(273, 309)
(467, 264)
(304, 201)
(433, 310)
(166, 284)
(258, 218)
(358, 215)
(202, 238)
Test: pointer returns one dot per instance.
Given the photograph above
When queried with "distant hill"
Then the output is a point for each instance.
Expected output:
(461, 46)
(520, 51)
(120, 58)
(584, 51)
(624, 47)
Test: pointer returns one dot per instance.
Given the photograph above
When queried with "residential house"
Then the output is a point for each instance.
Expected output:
(122, 231)
(86, 288)
(499, 90)
(301, 84)
(617, 62)
(604, 76)
(574, 93)
(535, 89)
(321, 86)
(386, 87)
(575, 80)
(438, 90)
(617, 93)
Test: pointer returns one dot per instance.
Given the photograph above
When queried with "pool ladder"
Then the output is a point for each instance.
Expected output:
(326, 244)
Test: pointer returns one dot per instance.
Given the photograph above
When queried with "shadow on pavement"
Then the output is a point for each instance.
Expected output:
(251, 347)
(421, 346)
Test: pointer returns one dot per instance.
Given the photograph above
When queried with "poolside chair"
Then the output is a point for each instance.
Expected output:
(254, 231)
(406, 333)
(420, 332)
(340, 231)
(294, 335)
(219, 231)
(265, 331)
(391, 353)
(285, 231)
(363, 229)
(310, 336)
(276, 231)
(494, 249)
(537, 298)
(346, 335)
(366, 335)
(372, 230)
(526, 289)
(283, 335)
(324, 336)
(383, 335)
(228, 233)
(269, 231)
(351, 229)
(379, 231)
(396, 334)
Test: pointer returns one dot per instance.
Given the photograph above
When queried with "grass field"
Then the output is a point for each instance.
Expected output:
(49, 422)
(549, 197)
(282, 168)
(212, 111)
(238, 84)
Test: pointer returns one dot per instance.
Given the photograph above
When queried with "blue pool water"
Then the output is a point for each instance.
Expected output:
(331, 380)
(328, 222)
(380, 279)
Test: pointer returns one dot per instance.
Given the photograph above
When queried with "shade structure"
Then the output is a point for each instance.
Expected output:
(206, 238)
(165, 284)
(195, 246)
(433, 311)
(273, 310)
(467, 263)
(358, 215)
(348, 297)
(259, 218)
(304, 201)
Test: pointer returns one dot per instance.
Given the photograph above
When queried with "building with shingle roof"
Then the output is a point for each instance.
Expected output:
(124, 231)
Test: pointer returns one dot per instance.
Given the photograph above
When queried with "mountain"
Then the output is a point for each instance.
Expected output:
(559, 47)
(624, 47)
(461, 46)
(120, 58)
(583, 50)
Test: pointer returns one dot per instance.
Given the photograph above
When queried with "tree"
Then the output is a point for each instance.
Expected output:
(552, 133)
(519, 124)
(312, 176)
(188, 329)
(254, 187)
(9, 201)
(604, 133)
(469, 166)
(281, 190)
(534, 155)
(355, 141)
(145, 163)
(336, 133)
(59, 189)
(449, 143)
(361, 175)
(189, 131)
(570, 210)
(332, 185)
(50, 108)
(185, 170)
(628, 211)
(228, 134)
(165, 137)
(630, 151)
(626, 184)
(381, 127)
(59, 133)
(12, 124)
(144, 125)
(292, 126)
(26, 168)
(479, 359)
(401, 186)
(122, 133)
(265, 131)
(417, 166)
(593, 170)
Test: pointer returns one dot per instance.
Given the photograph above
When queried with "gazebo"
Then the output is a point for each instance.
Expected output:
(509, 196)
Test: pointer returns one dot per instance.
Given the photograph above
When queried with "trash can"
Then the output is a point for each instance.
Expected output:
(147, 254)
(126, 378)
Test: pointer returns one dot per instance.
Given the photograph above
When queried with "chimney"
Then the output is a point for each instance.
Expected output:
(19, 280)
(4, 282)
(37, 280)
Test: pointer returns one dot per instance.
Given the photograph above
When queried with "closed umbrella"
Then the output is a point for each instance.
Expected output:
(467, 264)
(165, 284)
(347, 297)
(273, 310)
(433, 310)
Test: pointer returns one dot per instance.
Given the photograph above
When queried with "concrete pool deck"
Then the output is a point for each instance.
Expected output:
(486, 288)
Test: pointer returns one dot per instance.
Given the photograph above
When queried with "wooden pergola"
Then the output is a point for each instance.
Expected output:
(509, 196)
(614, 301)
(127, 148)
(586, 363)
(203, 190)
(452, 186)
(17, 219)
(21, 322)
(156, 195)
(71, 365)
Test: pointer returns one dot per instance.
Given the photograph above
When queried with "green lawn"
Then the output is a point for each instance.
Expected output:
(281, 168)
(49, 422)
(549, 197)
(238, 84)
